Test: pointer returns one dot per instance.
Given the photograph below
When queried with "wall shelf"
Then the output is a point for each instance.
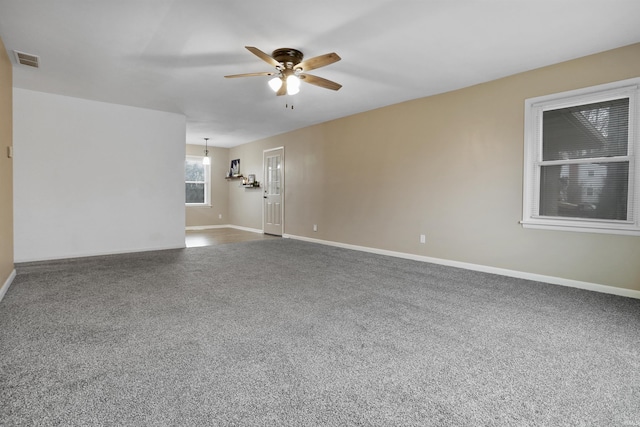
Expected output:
(233, 177)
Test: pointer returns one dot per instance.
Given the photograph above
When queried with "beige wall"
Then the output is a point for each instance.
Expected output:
(6, 167)
(209, 215)
(449, 166)
(245, 204)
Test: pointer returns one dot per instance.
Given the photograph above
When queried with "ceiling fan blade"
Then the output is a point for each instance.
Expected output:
(318, 61)
(266, 73)
(319, 81)
(260, 54)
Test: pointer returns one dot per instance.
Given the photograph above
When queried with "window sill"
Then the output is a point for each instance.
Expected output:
(198, 205)
(582, 227)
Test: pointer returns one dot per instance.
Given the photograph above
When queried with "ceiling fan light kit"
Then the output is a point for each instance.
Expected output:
(275, 83)
(291, 69)
(293, 84)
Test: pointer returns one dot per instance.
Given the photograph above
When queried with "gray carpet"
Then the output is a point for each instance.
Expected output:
(287, 333)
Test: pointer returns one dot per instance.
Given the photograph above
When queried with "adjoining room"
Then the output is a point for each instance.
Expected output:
(364, 213)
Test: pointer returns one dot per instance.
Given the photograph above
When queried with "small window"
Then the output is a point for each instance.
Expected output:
(196, 181)
(581, 172)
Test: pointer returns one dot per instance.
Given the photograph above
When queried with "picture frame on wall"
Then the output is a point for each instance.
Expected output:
(235, 168)
(251, 179)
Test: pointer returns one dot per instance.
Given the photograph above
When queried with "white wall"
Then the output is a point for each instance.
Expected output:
(94, 178)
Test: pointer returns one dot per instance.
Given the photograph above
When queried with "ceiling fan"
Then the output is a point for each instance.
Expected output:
(291, 69)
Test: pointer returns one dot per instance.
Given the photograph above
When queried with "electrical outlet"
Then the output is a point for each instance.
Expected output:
(219, 216)
(315, 227)
(423, 238)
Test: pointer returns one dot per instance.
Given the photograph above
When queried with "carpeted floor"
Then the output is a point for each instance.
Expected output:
(287, 333)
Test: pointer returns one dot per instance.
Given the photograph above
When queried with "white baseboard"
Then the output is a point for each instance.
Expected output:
(253, 230)
(98, 253)
(205, 227)
(211, 227)
(630, 293)
(7, 283)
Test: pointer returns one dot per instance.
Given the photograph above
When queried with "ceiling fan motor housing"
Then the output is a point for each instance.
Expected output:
(287, 56)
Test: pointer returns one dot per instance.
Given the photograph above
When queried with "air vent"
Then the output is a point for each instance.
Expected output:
(27, 59)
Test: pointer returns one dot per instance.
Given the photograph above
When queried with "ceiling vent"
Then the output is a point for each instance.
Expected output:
(27, 59)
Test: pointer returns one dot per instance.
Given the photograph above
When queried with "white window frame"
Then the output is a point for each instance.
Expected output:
(207, 182)
(534, 109)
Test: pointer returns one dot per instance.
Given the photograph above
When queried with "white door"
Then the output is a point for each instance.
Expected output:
(273, 210)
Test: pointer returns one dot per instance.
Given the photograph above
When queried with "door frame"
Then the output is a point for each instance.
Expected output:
(282, 178)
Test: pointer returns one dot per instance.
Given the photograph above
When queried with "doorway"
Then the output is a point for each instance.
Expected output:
(273, 197)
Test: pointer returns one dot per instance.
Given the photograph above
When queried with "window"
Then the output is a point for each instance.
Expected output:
(581, 165)
(196, 181)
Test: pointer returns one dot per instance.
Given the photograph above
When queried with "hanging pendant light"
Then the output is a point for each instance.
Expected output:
(206, 160)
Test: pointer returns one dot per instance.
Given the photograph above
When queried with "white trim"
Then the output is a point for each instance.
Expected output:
(253, 230)
(608, 91)
(282, 187)
(207, 182)
(534, 108)
(205, 227)
(274, 149)
(592, 227)
(7, 283)
(99, 253)
(211, 227)
(595, 287)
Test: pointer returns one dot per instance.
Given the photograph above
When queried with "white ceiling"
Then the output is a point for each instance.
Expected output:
(171, 55)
